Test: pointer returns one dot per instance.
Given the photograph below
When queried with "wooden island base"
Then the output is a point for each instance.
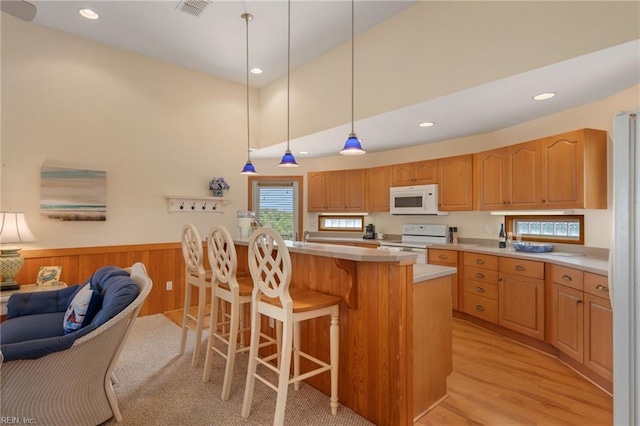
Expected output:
(395, 337)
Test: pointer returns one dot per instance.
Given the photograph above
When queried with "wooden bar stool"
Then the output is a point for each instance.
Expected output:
(195, 278)
(270, 268)
(226, 287)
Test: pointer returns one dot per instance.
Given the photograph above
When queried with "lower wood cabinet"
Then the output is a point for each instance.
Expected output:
(481, 294)
(582, 320)
(521, 296)
(446, 258)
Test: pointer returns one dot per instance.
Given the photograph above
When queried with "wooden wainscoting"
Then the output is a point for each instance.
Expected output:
(164, 263)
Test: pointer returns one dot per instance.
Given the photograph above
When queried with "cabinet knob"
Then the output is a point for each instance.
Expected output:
(479, 275)
(443, 256)
(480, 261)
(520, 268)
(601, 287)
(479, 308)
(567, 278)
(578, 301)
(480, 289)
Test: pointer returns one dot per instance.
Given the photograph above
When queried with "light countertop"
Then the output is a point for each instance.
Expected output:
(429, 272)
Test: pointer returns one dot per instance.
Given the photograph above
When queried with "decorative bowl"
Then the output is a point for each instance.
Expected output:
(533, 247)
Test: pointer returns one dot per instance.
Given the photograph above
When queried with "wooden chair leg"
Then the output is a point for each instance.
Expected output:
(185, 319)
(278, 342)
(251, 368)
(334, 337)
(285, 368)
(202, 301)
(231, 351)
(213, 329)
(241, 324)
(296, 354)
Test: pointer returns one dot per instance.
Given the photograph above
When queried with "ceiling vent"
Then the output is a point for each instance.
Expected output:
(193, 7)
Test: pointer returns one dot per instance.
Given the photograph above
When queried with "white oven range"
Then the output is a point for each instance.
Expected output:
(416, 238)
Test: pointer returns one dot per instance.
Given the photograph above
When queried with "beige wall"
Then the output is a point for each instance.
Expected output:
(158, 129)
(436, 48)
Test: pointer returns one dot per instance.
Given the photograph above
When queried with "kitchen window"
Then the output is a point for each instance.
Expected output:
(341, 223)
(552, 229)
(277, 202)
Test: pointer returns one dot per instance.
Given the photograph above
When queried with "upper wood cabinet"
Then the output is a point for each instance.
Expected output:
(562, 171)
(416, 173)
(336, 191)
(378, 182)
(574, 170)
(455, 183)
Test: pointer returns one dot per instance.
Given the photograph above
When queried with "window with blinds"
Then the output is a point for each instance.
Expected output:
(275, 204)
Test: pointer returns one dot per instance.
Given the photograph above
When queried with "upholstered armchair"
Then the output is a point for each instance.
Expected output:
(64, 378)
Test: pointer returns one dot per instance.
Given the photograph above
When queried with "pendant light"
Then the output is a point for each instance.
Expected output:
(288, 160)
(352, 145)
(248, 168)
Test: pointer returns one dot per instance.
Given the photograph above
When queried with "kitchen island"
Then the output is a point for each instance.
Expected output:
(395, 336)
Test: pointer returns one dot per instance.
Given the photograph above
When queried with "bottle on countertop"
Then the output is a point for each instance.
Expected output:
(454, 239)
(450, 240)
(502, 238)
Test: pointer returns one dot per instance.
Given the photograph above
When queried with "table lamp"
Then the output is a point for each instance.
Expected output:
(13, 230)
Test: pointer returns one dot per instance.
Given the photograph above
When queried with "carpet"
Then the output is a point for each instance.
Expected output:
(158, 387)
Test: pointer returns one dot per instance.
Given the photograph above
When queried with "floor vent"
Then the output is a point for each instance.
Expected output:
(193, 7)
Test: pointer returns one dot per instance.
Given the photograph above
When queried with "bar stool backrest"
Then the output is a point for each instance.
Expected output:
(222, 255)
(270, 265)
(192, 250)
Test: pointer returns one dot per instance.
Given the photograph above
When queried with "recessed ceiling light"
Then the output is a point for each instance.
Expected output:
(88, 13)
(303, 152)
(256, 70)
(544, 96)
(427, 124)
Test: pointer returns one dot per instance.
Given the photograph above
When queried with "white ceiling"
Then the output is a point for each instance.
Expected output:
(214, 43)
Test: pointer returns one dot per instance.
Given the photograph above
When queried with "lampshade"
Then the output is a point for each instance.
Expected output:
(352, 146)
(248, 169)
(288, 160)
(13, 230)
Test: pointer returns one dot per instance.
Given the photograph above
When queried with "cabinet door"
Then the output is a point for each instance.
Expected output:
(403, 174)
(334, 191)
(455, 183)
(426, 172)
(447, 258)
(598, 335)
(316, 188)
(492, 179)
(354, 190)
(524, 175)
(378, 184)
(567, 322)
(521, 304)
(563, 171)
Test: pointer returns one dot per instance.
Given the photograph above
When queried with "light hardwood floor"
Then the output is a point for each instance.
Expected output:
(496, 381)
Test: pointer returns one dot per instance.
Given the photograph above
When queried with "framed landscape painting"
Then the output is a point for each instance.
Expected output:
(73, 194)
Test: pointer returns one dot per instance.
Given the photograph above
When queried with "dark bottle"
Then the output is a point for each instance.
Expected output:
(502, 238)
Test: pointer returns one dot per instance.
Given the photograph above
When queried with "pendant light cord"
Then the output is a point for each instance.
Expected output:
(247, 19)
(352, 62)
(288, 65)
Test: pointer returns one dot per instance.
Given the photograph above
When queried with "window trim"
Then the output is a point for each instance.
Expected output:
(540, 238)
(298, 179)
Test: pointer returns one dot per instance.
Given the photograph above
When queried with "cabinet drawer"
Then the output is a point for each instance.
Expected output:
(443, 256)
(481, 275)
(481, 289)
(481, 307)
(524, 268)
(567, 276)
(481, 260)
(598, 285)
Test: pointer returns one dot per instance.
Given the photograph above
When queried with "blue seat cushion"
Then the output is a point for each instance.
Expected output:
(31, 327)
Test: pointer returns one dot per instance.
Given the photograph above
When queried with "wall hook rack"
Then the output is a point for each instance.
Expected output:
(191, 204)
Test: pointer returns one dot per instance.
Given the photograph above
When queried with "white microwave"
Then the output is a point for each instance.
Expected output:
(419, 199)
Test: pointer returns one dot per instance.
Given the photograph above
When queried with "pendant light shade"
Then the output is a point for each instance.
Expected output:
(352, 146)
(288, 160)
(248, 168)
